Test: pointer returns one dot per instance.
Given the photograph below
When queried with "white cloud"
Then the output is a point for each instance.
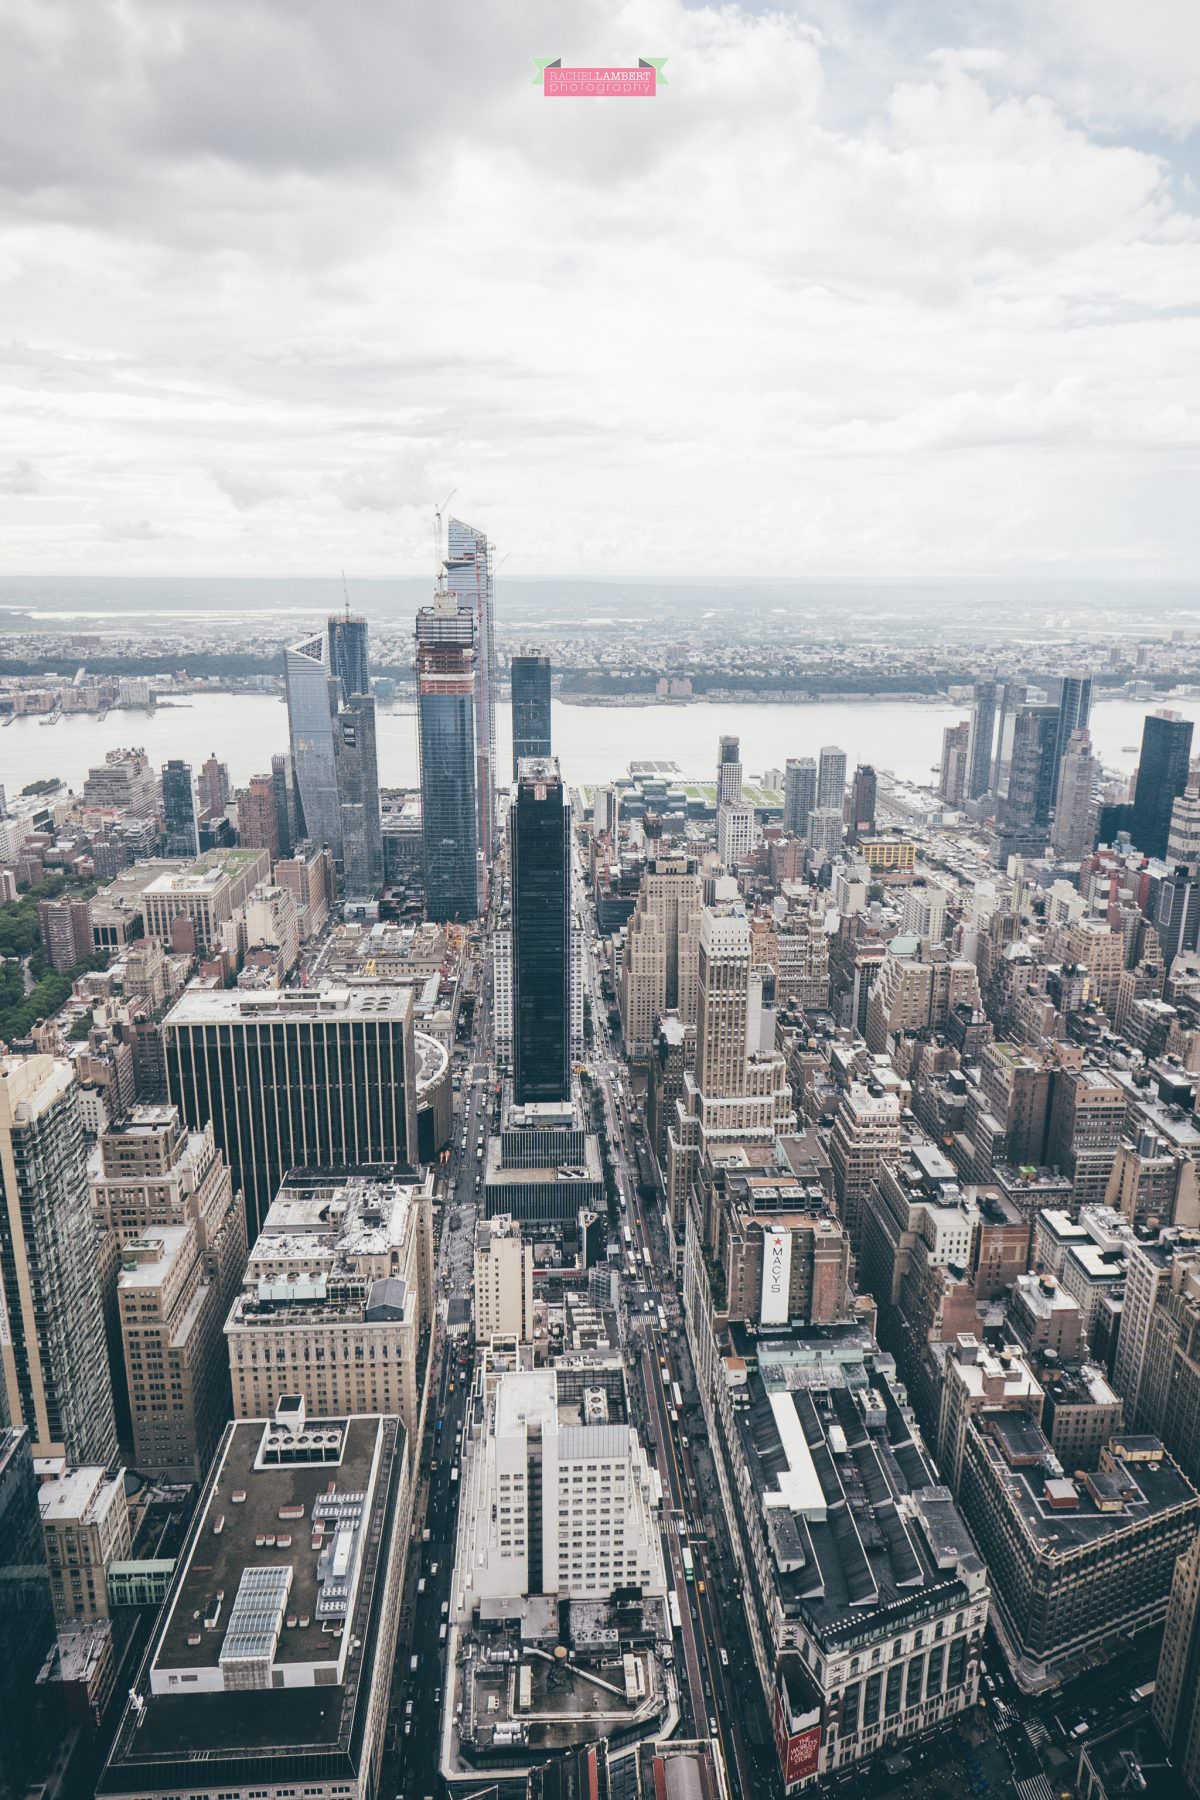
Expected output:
(850, 293)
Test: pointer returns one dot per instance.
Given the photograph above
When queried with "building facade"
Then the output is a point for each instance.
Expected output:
(529, 674)
(540, 840)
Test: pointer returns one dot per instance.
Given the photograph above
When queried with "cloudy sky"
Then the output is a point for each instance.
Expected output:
(870, 288)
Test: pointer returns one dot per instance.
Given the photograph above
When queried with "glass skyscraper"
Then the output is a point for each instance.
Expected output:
(181, 835)
(358, 788)
(348, 654)
(467, 573)
(530, 674)
(446, 729)
(27, 1628)
(799, 793)
(314, 757)
(540, 837)
(1162, 775)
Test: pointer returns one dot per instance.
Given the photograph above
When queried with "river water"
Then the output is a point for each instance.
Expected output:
(594, 743)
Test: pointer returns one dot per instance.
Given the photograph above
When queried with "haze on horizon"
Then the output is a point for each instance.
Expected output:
(859, 294)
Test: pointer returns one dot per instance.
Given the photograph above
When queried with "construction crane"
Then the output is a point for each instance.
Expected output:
(437, 532)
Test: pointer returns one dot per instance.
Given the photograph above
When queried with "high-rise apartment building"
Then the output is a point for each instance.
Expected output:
(662, 940)
(468, 573)
(826, 831)
(955, 766)
(85, 1527)
(172, 1247)
(1176, 1702)
(503, 1292)
(213, 786)
(311, 711)
(1183, 839)
(65, 929)
(799, 793)
(446, 722)
(181, 833)
(540, 838)
(281, 784)
(358, 796)
(1150, 1271)
(348, 655)
(1075, 809)
(1162, 776)
(27, 1627)
(831, 778)
(735, 834)
(530, 679)
(52, 1347)
(729, 773)
(295, 1079)
(982, 739)
(337, 1294)
(1074, 711)
(863, 794)
(866, 1133)
(258, 816)
(1033, 777)
(123, 783)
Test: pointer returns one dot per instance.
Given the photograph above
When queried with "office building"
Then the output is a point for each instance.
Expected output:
(468, 574)
(188, 909)
(1073, 833)
(1087, 1113)
(735, 835)
(1153, 1269)
(826, 831)
(52, 1348)
(540, 838)
(729, 773)
(181, 833)
(1163, 769)
(446, 723)
(530, 680)
(866, 1133)
(213, 786)
(503, 1292)
(799, 794)
(1081, 1560)
(1033, 778)
(912, 994)
(311, 709)
(831, 779)
(308, 876)
(1176, 1703)
(294, 1079)
(85, 1527)
(955, 764)
(123, 783)
(358, 796)
(862, 800)
(171, 1250)
(982, 739)
(27, 1626)
(557, 1493)
(662, 939)
(284, 1682)
(337, 1293)
(348, 657)
(285, 805)
(1183, 839)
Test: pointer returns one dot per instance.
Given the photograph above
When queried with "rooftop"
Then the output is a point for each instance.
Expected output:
(215, 1006)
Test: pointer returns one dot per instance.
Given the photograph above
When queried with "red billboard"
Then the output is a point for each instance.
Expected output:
(799, 1755)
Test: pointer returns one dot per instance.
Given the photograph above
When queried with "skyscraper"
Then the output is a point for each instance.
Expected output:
(314, 758)
(862, 800)
(1032, 776)
(295, 1079)
(27, 1627)
(258, 816)
(729, 773)
(982, 738)
(468, 573)
(348, 653)
(541, 934)
(281, 785)
(723, 1003)
(214, 786)
(530, 676)
(1074, 830)
(181, 836)
(1176, 1703)
(1074, 711)
(52, 1348)
(831, 778)
(952, 782)
(446, 727)
(799, 793)
(1162, 775)
(358, 796)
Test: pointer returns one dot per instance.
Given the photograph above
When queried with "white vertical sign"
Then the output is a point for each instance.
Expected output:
(776, 1277)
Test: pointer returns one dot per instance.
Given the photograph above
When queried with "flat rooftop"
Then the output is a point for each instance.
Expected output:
(218, 1006)
(1063, 1514)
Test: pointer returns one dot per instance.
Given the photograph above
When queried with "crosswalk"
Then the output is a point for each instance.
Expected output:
(1034, 1787)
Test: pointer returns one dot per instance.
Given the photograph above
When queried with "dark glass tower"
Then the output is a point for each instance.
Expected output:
(281, 788)
(1033, 775)
(311, 703)
(27, 1629)
(358, 788)
(1162, 774)
(446, 728)
(348, 653)
(799, 793)
(1074, 711)
(979, 745)
(863, 795)
(541, 934)
(530, 707)
(181, 835)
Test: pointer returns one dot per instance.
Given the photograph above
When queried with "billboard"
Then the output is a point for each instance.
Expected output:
(800, 1755)
(776, 1277)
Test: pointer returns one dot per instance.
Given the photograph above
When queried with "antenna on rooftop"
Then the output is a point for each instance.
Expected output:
(346, 593)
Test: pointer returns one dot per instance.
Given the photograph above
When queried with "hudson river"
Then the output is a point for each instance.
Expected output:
(594, 743)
